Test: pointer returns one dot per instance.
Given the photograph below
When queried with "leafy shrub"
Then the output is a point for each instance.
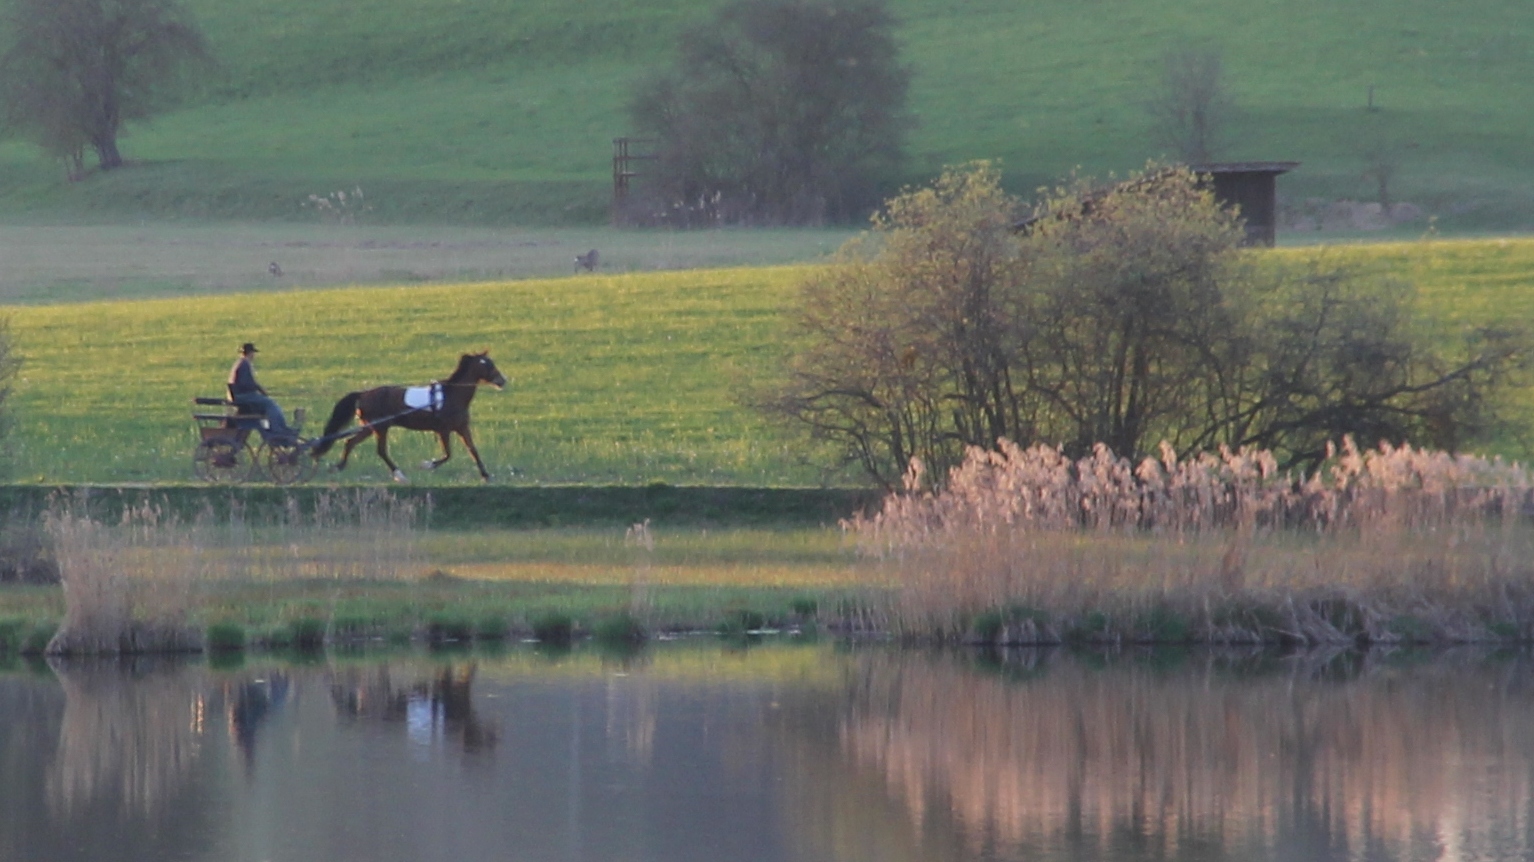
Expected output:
(741, 622)
(493, 627)
(1119, 316)
(444, 628)
(620, 629)
(225, 637)
(554, 627)
(26, 556)
(37, 640)
(306, 634)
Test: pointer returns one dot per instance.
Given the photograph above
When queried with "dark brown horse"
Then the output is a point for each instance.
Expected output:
(445, 413)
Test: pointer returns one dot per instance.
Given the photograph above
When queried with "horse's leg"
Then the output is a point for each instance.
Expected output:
(447, 451)
(351, 443)
(383, 452)
(468, 441)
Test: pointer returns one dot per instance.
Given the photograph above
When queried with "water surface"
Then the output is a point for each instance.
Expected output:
(773, 752)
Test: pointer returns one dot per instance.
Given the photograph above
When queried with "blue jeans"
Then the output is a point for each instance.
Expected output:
(277, 424)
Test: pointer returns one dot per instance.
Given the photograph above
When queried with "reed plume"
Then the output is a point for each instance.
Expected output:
(1385, 544)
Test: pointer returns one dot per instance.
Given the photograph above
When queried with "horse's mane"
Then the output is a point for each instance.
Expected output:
(462, 371)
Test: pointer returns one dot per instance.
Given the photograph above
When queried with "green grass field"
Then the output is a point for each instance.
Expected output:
(623, 379)
(626, 379)
(492, 112)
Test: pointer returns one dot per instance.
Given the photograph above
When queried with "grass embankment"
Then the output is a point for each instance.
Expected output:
(357, 566)
(626, 379)
(478, 111)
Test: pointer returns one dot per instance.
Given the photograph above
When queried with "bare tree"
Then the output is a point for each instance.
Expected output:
(1191, 107)
(76, 71)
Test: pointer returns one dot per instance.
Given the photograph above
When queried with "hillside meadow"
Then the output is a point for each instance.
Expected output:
(622, 379)
(491, 112)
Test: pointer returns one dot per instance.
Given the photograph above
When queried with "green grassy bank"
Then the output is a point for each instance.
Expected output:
(469, 508)
(489, 112)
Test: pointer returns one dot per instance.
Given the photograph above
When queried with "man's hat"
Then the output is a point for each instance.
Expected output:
(247, 347)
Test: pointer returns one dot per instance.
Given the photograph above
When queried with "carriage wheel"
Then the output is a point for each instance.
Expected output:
(221, 460)
(288, 464)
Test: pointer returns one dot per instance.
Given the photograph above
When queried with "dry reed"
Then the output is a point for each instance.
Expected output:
(131, 586)
(127, 587)
(1387, 544)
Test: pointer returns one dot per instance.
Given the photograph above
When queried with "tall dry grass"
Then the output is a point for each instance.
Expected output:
(1388, 544)
(128, 587)
(131, 586)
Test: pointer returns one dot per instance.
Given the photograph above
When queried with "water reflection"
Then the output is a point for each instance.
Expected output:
(774, 754)
(439, 707)
(1216, 758)
(250, 703)
(130, 734)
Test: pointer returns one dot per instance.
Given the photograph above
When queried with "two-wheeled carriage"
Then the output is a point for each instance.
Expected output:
(235, 446)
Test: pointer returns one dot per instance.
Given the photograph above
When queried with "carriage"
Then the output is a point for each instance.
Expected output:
(226, 451)
(235, 446)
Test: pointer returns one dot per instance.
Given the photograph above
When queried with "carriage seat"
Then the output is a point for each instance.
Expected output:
(233, 416)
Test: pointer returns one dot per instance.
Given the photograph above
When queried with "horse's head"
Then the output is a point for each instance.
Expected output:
(478, 368)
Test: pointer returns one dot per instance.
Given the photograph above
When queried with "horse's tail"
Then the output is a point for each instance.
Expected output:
(340, 417)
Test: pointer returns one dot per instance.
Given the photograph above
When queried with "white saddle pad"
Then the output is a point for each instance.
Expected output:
(424, 397)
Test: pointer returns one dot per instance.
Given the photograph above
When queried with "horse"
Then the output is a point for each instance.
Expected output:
(385, 407)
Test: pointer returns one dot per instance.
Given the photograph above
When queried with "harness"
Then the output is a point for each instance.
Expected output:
(428, 397)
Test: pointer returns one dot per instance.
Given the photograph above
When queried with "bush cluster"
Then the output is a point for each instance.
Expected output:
(1122, 315)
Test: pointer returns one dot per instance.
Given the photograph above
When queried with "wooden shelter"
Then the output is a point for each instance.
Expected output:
(1252, 187)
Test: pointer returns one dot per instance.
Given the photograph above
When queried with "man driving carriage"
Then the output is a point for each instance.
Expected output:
(250, 397)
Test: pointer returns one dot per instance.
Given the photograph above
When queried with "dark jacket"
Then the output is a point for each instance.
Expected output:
(242, 379)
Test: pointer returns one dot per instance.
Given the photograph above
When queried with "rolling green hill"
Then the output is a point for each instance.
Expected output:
(627, 379)
(494, 112)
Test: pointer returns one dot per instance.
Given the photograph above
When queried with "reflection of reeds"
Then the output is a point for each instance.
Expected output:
(1391, 534)
(1077, 756)
(127, 736)
(130, 586)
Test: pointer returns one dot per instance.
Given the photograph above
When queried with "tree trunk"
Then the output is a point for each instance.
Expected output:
(107, 154)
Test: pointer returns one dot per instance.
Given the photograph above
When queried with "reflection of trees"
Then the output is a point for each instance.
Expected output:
(131, 731)
(1199, 762)
(443, 702)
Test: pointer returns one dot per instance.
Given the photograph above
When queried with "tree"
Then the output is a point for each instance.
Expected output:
(1191, 107)
(1124, 315)
(778, 111)
(77, 71)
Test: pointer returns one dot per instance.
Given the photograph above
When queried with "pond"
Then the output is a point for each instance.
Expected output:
(706, 751)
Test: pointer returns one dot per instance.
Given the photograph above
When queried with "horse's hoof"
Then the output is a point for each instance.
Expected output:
(399, 476)
(428, 465)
